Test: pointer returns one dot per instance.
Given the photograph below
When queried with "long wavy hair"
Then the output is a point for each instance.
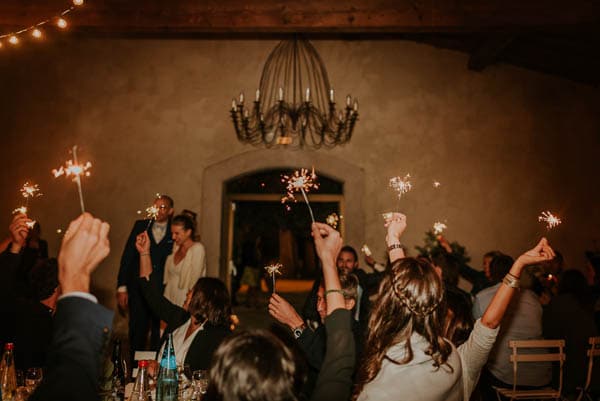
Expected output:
(411, 299)
(210, 301)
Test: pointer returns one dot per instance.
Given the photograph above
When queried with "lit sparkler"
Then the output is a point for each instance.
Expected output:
(365, 249)
(151, 214)
(333, 220)
(30, 224)
(30, 191)
(439, 227)
(550, 219)
(387, 216)
(300, 181)
(76, 170)
(21, 210)
(436, 184)
(272, 270)
(401, 185)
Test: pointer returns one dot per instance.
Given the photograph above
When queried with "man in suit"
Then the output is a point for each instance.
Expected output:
(81, 326)
(128, 291)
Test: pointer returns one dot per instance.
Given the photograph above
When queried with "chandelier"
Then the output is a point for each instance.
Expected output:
(294, 105)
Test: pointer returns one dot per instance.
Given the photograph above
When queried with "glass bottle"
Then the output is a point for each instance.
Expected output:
(141, 388)
(8, 377)
(167, 383)
(118, 375)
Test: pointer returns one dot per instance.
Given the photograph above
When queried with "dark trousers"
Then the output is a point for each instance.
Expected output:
(141, 320)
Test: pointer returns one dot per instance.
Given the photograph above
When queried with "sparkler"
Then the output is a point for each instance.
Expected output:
(436, 184)
(272, 270)
(387, 216)
(439, 227)
(550, 219)
(401, 185)
(30, 224)
(300, 181)
(365, 249)
(21, 209)
(333, 219)
(30, 191)
(73, 168)
(151, 214)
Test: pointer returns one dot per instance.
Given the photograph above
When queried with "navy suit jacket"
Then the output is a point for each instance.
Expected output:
(129, 272)
(81, 333)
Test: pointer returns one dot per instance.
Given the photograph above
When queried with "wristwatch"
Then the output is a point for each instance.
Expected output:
(299, 330)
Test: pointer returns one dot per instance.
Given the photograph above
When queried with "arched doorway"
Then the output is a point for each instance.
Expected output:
(216, 209)
(277, 233)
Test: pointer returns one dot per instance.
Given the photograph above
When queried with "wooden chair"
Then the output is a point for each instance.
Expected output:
(593, 352)
(517, 357)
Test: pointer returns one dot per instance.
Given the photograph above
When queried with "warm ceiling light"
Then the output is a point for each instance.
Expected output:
(13, 40)
(0, 45)
(78, 2)
(61, 23)
(36, 33)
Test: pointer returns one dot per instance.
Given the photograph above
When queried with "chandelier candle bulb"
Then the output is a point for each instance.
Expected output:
(242, 98)
(348, 100)
(355, 104)
(280, 94)
(331, 98)
(258, 95)
(233, 105)
(307, 95)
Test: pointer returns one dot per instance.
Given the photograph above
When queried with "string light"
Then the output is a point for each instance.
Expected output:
(35, 31)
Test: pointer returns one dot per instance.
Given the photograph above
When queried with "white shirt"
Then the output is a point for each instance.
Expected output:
(180, 343)
(159, 230)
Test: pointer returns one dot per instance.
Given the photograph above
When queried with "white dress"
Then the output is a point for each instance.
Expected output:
(180, 278)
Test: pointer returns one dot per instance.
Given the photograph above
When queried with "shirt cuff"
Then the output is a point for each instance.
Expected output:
(80, 294)
(122, 288)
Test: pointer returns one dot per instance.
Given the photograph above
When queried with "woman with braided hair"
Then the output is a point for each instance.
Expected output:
(406, 356)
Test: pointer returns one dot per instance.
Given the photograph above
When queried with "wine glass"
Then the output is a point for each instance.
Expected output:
(201, 380)
(33, 378)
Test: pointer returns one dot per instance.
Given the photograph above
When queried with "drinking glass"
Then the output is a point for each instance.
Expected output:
(200, 381)
(33, 378)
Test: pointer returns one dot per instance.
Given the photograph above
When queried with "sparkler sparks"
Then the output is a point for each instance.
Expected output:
(22, 210)
(436, 184)
(30, 190)
(365, 249)
(550, 220)
(76, 170)
(401, 185)
(273, 270)
(30, 224)
(300, 181)
(333, 219)
(387, 216)
(439, 227)
(151, 214)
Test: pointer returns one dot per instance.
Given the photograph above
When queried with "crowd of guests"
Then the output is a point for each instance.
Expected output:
(401, 331)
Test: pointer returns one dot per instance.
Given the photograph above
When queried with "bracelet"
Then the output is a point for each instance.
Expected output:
(511, 281)
(394, 246)
(145, 254)
(335, 291)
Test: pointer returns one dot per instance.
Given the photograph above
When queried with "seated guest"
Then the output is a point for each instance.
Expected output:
(406, 356)
(200, 325)
(81, 326)
(570, 316)
(258, 366)
(523, 321)
(475, 341)
(34, 317)
(312, 342)
(187, 263)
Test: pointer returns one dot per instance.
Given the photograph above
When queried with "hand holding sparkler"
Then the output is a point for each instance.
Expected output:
(272, 270)
(542, 252)
(396, 225)
(73, 168)
(300, 181)
(19, 229)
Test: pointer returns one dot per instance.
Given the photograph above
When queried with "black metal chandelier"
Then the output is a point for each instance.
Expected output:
(295, 104)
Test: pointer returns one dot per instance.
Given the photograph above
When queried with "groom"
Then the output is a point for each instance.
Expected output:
(128, 292)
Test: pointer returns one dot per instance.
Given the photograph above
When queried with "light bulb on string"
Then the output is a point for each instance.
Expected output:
(13, 40)
(61, 23)
(36, 33)
(77, 2)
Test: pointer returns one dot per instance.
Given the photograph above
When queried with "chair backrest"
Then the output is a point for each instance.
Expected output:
(593, 352)
(542, 356)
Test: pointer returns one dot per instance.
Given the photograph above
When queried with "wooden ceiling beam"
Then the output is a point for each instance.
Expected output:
(164, 17)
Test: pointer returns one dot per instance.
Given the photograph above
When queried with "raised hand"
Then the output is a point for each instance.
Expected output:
(540, 253)
(84, 246)
(142, 242)
(396, 225)
(285, 313)
(18, 232)
(328, 242)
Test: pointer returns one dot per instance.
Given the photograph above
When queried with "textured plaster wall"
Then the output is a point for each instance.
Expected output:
(152, 116)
